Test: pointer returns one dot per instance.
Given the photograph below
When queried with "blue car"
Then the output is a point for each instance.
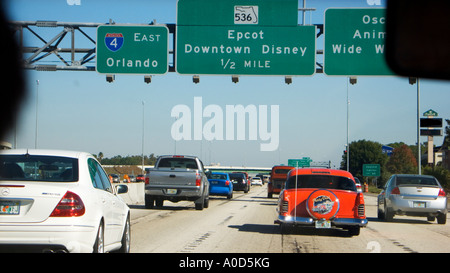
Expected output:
(220, 184)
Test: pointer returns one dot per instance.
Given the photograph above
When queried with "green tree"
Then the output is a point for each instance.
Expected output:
(364, 152)
(402, 161)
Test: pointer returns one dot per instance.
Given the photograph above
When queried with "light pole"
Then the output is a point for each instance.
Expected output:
(143, 126)
(37, 97)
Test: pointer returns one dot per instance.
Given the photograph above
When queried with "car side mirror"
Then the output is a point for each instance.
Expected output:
(121, 189)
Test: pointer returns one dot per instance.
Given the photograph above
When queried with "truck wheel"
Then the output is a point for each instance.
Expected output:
(149, 202)
(159, 203)
(200, 203)
(206, 203)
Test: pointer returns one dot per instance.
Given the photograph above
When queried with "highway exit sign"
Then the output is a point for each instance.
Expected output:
(237, 37)
(354, 42)
(300, 163)
(371, 170)
(132, 49)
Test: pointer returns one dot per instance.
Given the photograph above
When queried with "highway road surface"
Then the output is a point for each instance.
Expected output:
(244, 224)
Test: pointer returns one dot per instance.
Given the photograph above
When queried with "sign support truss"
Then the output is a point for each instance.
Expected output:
(70, 56)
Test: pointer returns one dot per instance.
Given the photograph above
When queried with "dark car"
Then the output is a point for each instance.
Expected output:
(239, 182)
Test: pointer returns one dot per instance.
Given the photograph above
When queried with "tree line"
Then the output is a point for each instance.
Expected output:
(403, 159)
(126, 160)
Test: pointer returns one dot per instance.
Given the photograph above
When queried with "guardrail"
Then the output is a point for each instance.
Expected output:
(135, 194)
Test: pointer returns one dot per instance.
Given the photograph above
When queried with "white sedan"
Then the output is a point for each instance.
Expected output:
(60, 201)
(257, 181)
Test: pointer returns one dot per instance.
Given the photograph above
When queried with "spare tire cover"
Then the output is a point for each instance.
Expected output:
(322, 204)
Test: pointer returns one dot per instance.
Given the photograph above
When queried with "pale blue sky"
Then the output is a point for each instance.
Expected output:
(81, 111)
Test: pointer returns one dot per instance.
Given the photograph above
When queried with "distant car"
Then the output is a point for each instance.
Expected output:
(257, 181)
(220, 184)
(239, 181)
(277, 179)
(321, 198)
(129, 178)
(115, 178)
(358, 184)
(140, 178)
(413, 195)
(60, 201)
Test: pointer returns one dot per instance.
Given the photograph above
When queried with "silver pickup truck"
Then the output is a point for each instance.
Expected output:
(176, 178)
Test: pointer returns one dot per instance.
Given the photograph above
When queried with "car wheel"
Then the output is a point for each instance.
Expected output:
(380, 214)
(126, 237)
(442, 218)
(99, 245)
(388, 214)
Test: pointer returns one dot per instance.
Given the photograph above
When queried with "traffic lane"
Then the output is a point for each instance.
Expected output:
(245, 224)
(406, 233)
(403, 235)
(242, 224)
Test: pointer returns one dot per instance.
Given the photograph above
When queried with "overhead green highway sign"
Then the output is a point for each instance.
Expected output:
(371, 170)
(354, 42)
(233, 37)
(300, 163)
(132, 49)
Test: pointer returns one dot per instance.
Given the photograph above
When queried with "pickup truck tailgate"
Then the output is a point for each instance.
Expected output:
(173, 177)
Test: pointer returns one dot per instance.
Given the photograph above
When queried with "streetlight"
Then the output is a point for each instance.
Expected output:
(143, 126)
(36, 132)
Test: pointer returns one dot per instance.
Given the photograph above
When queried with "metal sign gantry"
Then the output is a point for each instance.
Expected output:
(70, 56)
(37, 57)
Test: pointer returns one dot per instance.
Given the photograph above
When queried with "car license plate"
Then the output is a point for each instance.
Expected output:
(323, 224)
(419, 204)
(9, 207)
(171, 191)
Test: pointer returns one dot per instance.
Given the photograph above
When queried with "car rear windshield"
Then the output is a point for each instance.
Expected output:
(320, 181)
(236, 176)
(426, 181)
(218, 176)
(38, 168)
(176, 162)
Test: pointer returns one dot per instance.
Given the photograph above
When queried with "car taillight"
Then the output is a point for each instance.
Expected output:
(442, 193)
(360, 206)
(198, 179)
(227, 183)
(70, 205)
(147, 180)
(395, 190)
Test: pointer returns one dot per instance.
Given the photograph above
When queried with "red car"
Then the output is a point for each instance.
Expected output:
(322, 198)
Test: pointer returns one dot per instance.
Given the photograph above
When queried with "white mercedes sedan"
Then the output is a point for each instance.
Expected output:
(60, 201)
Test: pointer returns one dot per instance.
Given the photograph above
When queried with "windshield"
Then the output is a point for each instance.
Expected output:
(38, 168)
(321, 181)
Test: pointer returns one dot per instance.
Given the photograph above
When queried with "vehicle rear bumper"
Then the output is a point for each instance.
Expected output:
(307, 221)
(162, 191)
(47, 238)
(220, 191)
(402, 205)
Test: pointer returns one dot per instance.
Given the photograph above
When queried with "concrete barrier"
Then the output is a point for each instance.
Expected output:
(135, 194)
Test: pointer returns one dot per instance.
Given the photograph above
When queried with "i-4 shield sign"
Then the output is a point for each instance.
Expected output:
(114, 41)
